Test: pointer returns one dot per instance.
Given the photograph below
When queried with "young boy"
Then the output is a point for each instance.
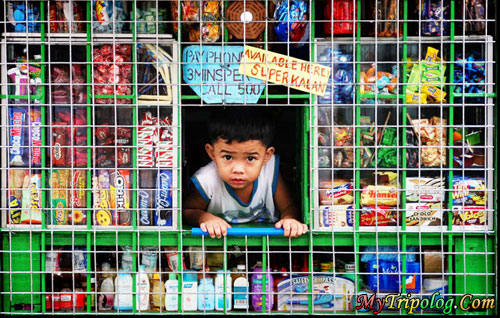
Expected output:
(242, 183)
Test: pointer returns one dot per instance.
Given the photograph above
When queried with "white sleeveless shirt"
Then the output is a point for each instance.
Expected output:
(223, 201)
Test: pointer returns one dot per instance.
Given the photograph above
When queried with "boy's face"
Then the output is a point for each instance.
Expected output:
(239, 163)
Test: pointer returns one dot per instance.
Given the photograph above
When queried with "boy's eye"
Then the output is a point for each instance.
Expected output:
(227, 157)
(251, 158)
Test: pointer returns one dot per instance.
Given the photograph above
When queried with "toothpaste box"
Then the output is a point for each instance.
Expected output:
(469, 215)
(425, 189)
(423, 214)
(329, 293)
(330, 216)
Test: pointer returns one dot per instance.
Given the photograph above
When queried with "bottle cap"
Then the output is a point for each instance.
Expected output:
(190, 276)
(206, 280)
(241, 267)
(105, 267)
(142, 268)
(156, 276)
(172, 276)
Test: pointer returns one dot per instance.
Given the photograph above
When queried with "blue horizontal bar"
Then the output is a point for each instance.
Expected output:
(244, 231)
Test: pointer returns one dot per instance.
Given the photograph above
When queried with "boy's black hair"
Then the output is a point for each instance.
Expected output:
(241, 124)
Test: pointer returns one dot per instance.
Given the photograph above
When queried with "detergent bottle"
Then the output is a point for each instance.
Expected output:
(219, 291)
(123, 288)
(206, 294)
(158, 292)
(189, 290)
(257, 290)
(240, 288)
(142, 289)
(106, 289)
(171, 293)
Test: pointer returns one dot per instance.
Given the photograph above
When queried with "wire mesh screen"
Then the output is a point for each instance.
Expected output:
(385, 126)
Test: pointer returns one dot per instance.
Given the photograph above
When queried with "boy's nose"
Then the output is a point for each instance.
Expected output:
(238, 168)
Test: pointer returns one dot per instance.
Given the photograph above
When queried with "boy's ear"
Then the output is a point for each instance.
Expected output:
(210, 151)
(269, 153)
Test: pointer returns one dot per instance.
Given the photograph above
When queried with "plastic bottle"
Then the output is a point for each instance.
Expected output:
(171, 293)
(142, 289)
(219, 291)
(66, 299)
(106, 289)
(92, 292)
(189, 290)
(206, 294)
(240, 288)
(158, 292)
(278, 278)
(123, 288)
(256, 288)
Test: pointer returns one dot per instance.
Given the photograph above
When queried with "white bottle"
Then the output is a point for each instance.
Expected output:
(171, 293)
(190, 290)
(219, 291)
(142, 289)
(105, 300)
(123, 285)
(241, 289)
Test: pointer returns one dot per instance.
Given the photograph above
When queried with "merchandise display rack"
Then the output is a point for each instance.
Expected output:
(467, 253)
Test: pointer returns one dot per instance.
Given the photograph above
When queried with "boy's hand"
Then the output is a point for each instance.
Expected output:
(292, 227)
(214, 225)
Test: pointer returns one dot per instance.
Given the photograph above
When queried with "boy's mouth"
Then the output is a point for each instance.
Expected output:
(238, 181)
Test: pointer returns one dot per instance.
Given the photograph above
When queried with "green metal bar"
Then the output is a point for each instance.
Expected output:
(451, 95)
(133, 191)
(403, 154)
(43, 181)
(89, 58)
(264, 274)
(357, 121)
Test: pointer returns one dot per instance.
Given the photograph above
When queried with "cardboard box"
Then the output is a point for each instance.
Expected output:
(434, 260)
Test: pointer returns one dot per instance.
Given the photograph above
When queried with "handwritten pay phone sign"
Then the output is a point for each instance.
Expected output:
(213, 74)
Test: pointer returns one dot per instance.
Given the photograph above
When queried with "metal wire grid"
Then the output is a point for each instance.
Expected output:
(450, 240)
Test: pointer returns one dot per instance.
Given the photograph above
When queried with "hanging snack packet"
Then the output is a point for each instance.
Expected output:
(16, 180)
(60, 181)
(17, 139)
(173, 259)
(109, 16)
(435, 16)
(61, 137)
(146, 192)
(149, 257)
(36, 136)
(103, 214)
(80, 259)
(78, 215)
(32, 200)
(120, 197)
(163, 213)
(52, 261)
(79, 137)
(196, 258)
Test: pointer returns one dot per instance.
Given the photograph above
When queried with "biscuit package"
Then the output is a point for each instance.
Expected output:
(338, 193)
(425, 189)
(420, 214)
(334, 216)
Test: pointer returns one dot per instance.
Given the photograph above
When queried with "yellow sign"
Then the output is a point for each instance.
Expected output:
(281, 69)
